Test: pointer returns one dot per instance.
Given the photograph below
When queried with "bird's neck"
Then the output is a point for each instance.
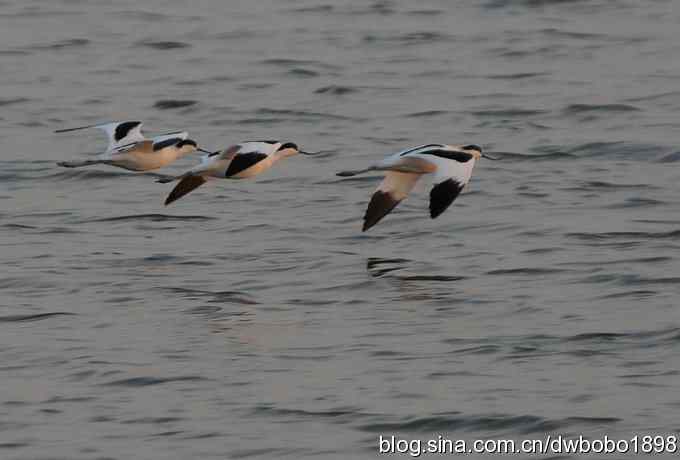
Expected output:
(186, 150)
(285, 153)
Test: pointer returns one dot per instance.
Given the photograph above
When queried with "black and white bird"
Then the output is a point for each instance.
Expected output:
(451, 166)
(129, 149)
(145, 155)
(240, 161)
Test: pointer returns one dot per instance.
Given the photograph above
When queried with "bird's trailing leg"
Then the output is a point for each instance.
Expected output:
(78, 164)
(355, 172)
(167, 179)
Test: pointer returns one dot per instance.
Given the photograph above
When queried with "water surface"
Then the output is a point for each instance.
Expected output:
(253, 319)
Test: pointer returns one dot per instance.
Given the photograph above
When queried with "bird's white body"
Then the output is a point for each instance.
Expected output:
(140, 160)
(146, 155)
(240, 161)
(450, 165)
(129, 149)
(217, 164)
(442, 167)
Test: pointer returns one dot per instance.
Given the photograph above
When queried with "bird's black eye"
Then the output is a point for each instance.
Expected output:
(288, 145)
(473, 147)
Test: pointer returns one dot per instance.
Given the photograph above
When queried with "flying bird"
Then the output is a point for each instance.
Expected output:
(144, 155)
(451, 166)
(240, 161)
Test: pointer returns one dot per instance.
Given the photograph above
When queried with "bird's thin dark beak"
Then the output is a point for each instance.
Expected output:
(308, 153)
(489, 157)
(204, 151)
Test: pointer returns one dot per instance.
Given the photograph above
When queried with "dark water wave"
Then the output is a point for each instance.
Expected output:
(13, 101)
(501, 113)
(143, 16)
(337, 90)
(152, 218)
(61, 45)
(236, 297)
(604, 186)
(164, 45)
(313, 9)
(169, 104)
(548, 156)
(609, 108)
(302, 114)
(636, 203)
(529, 3)
(427, 114)
(442, 278)
(628, 280)
(345, 413)
(303, 73)
(39, 230)
(408, 39)
(150, 381)
(285, 62)
(89, 174)
(34, 317)
(517, 76)
(527, 271)
(524, 424)
(603, 236)
(639, 294)
(638, 260)
(670, 158)
(607, 150)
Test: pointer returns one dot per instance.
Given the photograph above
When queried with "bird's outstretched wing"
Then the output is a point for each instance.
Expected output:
(186, 185)
(454, 170)
(242, 161)
(442, 195)
(145, 145)
(391, 191)
(181, 135)
(163, 142)
(119, 133)
(264, 147)
(226, 154)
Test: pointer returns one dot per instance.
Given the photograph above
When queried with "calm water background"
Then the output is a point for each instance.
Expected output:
(253, 319)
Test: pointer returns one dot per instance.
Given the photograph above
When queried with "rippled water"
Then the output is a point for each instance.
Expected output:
(253, 319)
